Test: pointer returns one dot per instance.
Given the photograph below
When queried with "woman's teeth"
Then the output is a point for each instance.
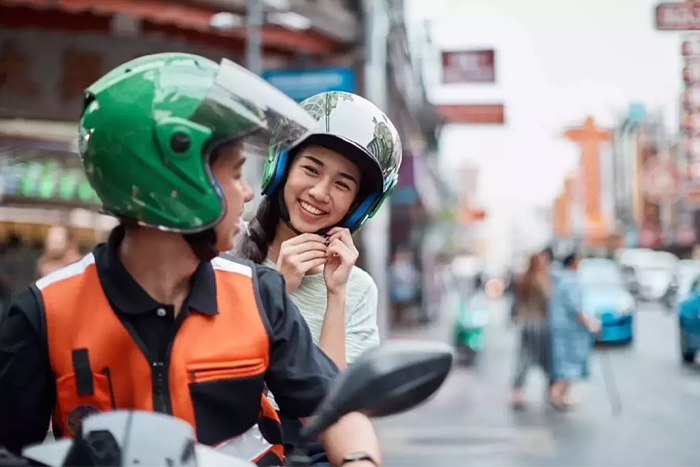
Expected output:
(310, 209)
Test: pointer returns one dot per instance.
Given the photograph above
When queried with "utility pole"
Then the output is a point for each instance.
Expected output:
(253, 170)
(375, 234)
(253, 49)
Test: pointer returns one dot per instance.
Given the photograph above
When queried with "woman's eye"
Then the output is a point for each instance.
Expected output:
(311, 170)
(343, 185)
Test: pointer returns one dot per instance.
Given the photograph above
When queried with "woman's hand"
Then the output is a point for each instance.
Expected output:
(592, 324)
(298, 256)
(341, 256)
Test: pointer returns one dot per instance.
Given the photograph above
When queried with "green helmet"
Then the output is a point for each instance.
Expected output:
(147, 129)
(357, 129)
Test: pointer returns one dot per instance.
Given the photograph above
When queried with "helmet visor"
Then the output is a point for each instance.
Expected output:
(241, 105)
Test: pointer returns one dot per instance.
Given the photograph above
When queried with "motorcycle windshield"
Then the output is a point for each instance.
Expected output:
(241, 105)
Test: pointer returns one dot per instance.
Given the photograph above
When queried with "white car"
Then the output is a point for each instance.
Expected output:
(654, 271)
(687, 270)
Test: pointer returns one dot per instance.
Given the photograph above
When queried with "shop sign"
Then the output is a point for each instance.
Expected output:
(469, 67)
(678, 16)
(660, 181)
(690, 100)
(300, 84)
(484, 114)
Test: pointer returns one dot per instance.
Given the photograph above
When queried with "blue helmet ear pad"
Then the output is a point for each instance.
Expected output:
(358, 213)
(278, 176)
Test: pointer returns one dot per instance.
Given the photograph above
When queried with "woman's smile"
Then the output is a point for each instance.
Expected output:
(311, 210)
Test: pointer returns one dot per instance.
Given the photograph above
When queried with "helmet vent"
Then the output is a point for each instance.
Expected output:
(179, 142)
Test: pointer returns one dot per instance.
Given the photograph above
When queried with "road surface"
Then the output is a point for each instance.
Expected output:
(470, 423)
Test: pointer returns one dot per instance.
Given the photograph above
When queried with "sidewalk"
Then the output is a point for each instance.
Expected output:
(437, 330)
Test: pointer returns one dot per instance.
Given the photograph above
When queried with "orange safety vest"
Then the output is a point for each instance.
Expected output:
(216, 370)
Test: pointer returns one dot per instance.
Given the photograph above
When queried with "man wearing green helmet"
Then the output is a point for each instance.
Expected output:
(154, 319)
(317, 194)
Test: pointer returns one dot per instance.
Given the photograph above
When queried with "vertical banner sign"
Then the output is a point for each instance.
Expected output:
(589, 138)
(690, 123)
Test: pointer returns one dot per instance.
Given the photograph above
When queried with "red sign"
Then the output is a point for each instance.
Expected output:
(469, 66)
(681, 16)
(473, 113)
(686, 235)
(690, 48)
(691, 71)
(660, 181)
(650, 237)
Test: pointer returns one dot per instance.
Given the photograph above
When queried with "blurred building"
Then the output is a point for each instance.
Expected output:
(651, 176)
(641, 182)
(51, 51)
(419, 196)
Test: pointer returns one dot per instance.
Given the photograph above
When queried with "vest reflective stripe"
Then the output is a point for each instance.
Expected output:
(216, 370)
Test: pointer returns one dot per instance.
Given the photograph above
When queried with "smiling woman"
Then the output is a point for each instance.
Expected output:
(317, 195)
(320, 188)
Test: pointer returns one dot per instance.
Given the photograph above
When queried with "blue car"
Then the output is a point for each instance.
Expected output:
(689, 314)
(605, 295)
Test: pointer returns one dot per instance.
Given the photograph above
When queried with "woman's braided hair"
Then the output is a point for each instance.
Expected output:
(262, 230)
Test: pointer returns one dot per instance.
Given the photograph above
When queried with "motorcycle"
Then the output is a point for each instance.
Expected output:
(469, 327)
(390, 379)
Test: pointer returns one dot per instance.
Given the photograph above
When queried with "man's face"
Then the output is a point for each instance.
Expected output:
(228, 170)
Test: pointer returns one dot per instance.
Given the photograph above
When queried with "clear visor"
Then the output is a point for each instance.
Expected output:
(242, 105)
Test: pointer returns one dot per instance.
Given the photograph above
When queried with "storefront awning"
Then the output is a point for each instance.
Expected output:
(39, 166)
(193, 21)
(43, 178)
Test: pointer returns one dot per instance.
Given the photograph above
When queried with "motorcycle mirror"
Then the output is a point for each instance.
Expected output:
(130, 438)
(386, 380)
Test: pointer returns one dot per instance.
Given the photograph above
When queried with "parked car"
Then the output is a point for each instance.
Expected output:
(687, 270)
(653, 273)
(605, 295)
(689, 320)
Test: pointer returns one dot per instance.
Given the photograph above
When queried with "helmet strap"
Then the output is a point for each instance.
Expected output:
(284, 212)
(203, 244)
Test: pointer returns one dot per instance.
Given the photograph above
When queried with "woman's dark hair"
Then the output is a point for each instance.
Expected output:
(528, 282)
(262, 230)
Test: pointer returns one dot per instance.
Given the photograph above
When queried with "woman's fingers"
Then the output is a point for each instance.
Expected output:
(304, 238)
(343, 235)
(293, 250)
(339, 249)
(311, 255)
(315, 263)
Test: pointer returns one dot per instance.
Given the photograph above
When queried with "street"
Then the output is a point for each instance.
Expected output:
(469, 422)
